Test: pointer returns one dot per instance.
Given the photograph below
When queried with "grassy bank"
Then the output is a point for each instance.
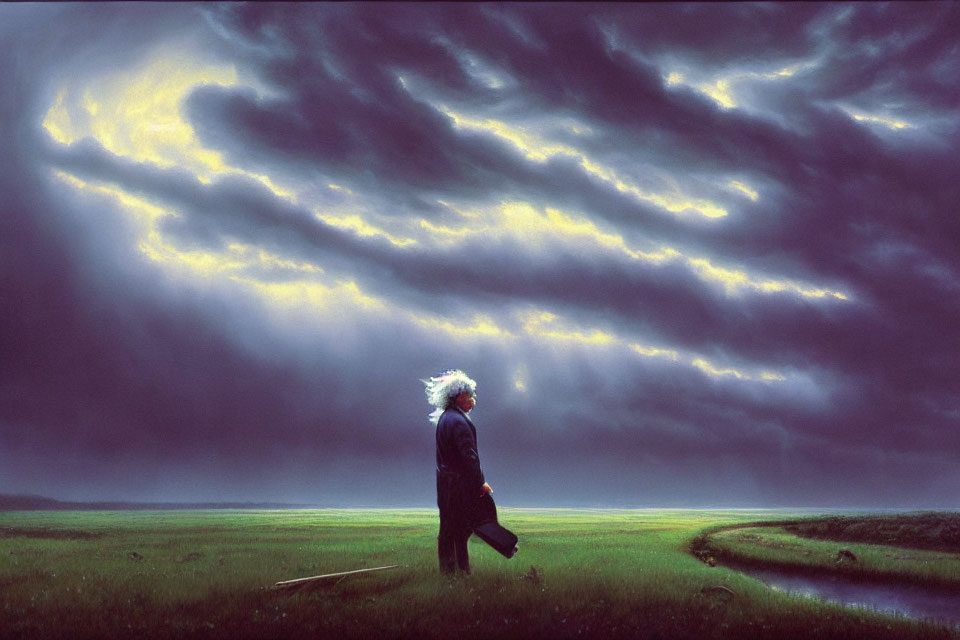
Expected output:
(610, 574)
(929, 531)
(892, 548)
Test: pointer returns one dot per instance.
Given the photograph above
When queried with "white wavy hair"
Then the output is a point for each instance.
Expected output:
(442, 389)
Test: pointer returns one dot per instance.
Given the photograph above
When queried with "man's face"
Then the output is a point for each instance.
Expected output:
(466, 401)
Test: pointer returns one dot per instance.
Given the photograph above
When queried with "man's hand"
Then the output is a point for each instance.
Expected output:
(486, 488)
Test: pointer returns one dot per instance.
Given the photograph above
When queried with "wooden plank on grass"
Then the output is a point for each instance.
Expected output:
(327, 576)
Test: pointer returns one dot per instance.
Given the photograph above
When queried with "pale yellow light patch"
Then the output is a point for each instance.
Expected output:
(654, 352)
(744, 189)
(58, 122)
(674, 203)
(137, 114)
(312, 295)
(352, 289)
(91, 105)
(544, 325)
(785, 72)
(530, 144)
(155, 248)
(536, 148)
(204, 263)
(526, 221)
(446, 231)
(144, 211)
(734, 281)
(566, 225)
(719, 91)
(704, 365)
(520, 379)
(237, 258)
(267, 259)
(729, 372)
(152, 244)
(729, 278)
(254, 256)
(362, 228)
(771, 286)
(711, 370)
(521, 219)
(891, 123)
(480, 326)
(720, 87)
(337, 187)
(675, 78)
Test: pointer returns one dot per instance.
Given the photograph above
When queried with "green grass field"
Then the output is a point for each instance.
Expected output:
(189, 574)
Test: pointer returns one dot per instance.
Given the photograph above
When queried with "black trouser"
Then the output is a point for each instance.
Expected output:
(455, 528)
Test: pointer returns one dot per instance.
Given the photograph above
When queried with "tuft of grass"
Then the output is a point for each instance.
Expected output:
(579, 573)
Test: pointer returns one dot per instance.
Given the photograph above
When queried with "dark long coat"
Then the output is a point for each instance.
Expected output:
(459, 474)
(464, 505)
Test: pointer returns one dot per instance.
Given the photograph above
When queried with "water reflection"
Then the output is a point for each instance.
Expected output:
(913, 600)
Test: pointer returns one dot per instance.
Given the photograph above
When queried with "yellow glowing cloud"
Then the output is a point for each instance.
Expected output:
(529, 223)
(734, 280)
(655, 352)
(543, 324)
(711, 370)
(566, 225)
(674, 78)
(362, 228)
(535, 148)
(313, 295)
(480, 326)
(719, 91)
(744, 189)
(720, 87)
(532, 146)
(237, 258)
(153, 246)
(58, 122)
(533, 226)
(705, 366)
(891, 123)
(137, 114)
(144, 211)
(716, 372)
(674, 203)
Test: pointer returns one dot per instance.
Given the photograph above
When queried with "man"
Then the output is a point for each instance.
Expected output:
(460, 482)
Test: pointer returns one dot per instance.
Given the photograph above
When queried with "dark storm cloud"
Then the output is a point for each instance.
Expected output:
(117, 366)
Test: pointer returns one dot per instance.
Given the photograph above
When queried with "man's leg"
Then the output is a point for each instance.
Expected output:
(463, 555)
(446, 545)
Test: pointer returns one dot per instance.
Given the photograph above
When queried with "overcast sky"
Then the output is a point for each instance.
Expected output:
(693, 254)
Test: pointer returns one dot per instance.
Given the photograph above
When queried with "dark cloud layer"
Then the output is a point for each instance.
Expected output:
(522, 191)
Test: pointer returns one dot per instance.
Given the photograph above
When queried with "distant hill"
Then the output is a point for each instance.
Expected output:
(40, 503)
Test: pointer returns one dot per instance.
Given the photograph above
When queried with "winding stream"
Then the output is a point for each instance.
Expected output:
(911, 600)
